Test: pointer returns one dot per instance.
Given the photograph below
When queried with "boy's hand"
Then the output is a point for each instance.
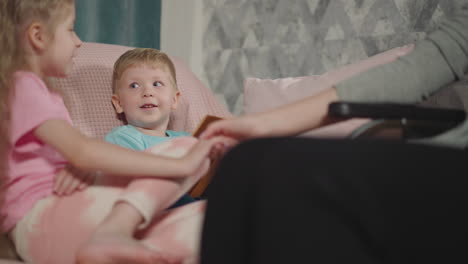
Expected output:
(70, 179)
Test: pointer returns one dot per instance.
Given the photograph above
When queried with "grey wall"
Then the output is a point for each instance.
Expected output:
(274, 39)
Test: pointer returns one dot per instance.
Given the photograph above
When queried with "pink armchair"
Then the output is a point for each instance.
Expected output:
(87, 93)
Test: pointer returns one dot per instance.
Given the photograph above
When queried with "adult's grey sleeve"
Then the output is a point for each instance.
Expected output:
(434, 62)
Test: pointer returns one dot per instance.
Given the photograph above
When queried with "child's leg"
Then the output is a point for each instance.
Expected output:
(114, 242)
(172, 237)
(176, 234)
(141, 200)
(56, 227)
(52, 231)
(151, 196)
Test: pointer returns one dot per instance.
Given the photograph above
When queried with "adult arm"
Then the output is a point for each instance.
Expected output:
(433, 63)
(286, 120)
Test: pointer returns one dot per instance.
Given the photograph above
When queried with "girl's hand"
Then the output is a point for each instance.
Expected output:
(206, 149)
(70, 179)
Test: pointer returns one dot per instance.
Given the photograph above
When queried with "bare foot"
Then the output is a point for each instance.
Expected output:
(111, 248)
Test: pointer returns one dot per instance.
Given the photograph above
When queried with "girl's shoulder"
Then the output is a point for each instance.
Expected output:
(24, 80)
(26, 75)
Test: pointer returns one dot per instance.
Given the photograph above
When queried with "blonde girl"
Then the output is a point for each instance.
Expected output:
(42, 152)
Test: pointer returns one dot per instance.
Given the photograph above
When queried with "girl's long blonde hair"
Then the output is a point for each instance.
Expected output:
(15, 17)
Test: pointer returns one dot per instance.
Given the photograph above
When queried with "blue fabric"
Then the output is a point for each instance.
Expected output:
(123, 22)
(130, 137)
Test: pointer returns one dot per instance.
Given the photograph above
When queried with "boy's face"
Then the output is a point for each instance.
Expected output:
(147, 96)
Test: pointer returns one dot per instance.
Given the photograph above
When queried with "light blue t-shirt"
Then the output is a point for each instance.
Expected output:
(130, 137)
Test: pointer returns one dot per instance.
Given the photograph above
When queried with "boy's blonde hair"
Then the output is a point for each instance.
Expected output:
(139, 57)
(15, 18)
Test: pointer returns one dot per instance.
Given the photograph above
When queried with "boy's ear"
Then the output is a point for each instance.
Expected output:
(175, 100)
(116, 103)
(37, 36)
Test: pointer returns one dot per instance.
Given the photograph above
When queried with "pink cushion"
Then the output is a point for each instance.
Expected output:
(264, 94)
(87, 92)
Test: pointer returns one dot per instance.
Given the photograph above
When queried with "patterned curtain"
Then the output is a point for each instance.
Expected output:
(133, 23)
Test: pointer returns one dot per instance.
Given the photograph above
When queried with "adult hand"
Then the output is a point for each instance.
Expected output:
(238, 128)
(220, 147)
(205, 149)
(69, 179)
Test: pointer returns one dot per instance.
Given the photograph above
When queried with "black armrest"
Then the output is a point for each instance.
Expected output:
(394, 111)
(413, 121)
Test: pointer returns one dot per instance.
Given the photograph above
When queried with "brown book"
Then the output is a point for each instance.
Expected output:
(204, 123)
(199, 188)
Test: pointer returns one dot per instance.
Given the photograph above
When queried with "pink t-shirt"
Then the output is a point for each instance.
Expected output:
(32, 163)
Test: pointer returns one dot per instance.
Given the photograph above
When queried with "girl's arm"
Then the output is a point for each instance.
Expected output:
(91, 154)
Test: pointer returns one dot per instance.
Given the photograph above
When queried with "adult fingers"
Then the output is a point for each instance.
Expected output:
(217, 128)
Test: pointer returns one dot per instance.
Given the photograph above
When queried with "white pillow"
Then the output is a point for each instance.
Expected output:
(264, 94)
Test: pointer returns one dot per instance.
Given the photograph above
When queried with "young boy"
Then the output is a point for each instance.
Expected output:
(144, 95)
(139, 229)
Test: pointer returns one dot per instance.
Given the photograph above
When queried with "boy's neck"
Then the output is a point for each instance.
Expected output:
(157, 132)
